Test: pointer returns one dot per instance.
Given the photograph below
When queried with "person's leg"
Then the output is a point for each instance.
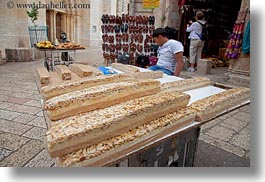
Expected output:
(199, 50)
(153, 68)
(159, 68)
(193, 51)
(166, 71)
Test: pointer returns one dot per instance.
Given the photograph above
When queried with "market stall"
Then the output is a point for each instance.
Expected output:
(132, 122)
(127, 36)
(57, 55)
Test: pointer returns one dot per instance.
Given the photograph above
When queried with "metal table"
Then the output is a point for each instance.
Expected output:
(176, 149)
(52, 54)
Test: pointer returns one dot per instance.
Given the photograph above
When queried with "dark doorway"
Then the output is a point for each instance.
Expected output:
(58, 25)
(220, 16)
(48, 23)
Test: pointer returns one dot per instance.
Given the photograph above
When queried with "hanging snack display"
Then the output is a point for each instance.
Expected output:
(127, 35)
(102, 120)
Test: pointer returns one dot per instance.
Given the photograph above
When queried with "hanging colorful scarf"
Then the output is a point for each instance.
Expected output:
(235, 43)
(233, 49)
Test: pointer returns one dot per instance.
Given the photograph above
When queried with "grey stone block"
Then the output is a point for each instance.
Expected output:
(221, 133)
(19, 55)
(217, 157)
(36, 133)
(240, 80)
(4, 153)
(1, 60)
(13, 127)
(204, 66)
(20, 157)
(41, 160)
(242, 140)
(12, 141)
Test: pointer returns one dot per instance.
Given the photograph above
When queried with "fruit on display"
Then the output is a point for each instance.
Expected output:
(45, 44)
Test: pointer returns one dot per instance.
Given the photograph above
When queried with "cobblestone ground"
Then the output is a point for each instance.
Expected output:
(229, 133)
(22, 125)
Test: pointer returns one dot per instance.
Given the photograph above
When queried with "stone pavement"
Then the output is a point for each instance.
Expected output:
(223, 142)
(22, 125)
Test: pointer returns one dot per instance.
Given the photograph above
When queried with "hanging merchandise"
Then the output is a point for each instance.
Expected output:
(233, 49)
(246, 40)
(181, 3)
(235, 44)
(127, 36)
(186, 14)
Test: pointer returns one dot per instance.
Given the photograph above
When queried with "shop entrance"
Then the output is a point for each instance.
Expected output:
(220, 16)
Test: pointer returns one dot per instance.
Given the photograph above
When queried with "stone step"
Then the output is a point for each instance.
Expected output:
(240, 80)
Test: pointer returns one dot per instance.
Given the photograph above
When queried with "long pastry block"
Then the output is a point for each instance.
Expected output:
(64, 71)
(148, 74)
(186, 84)
(209, 107)
(112, 149)
(81, 70)
(75, 132)
(84, 70)
(43, 76)
(54, 79)
(73, 85)
(95, 71)
(125, 68)
(97, 97)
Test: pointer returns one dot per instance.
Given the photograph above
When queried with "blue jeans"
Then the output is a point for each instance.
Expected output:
(159, 68)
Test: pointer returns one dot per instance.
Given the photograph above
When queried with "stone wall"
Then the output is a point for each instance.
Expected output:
(136, 8)
(81, 25)
(1, 60)
(19, 55)
(13, 27)
(122, 7)
(167, 14)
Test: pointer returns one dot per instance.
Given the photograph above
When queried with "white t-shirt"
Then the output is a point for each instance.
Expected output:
(166, 54)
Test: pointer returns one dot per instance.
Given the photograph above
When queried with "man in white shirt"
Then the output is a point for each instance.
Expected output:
(169, 53)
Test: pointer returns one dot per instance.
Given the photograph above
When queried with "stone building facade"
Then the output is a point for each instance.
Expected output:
(166, 14)
(81, 22)
(122, 7)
